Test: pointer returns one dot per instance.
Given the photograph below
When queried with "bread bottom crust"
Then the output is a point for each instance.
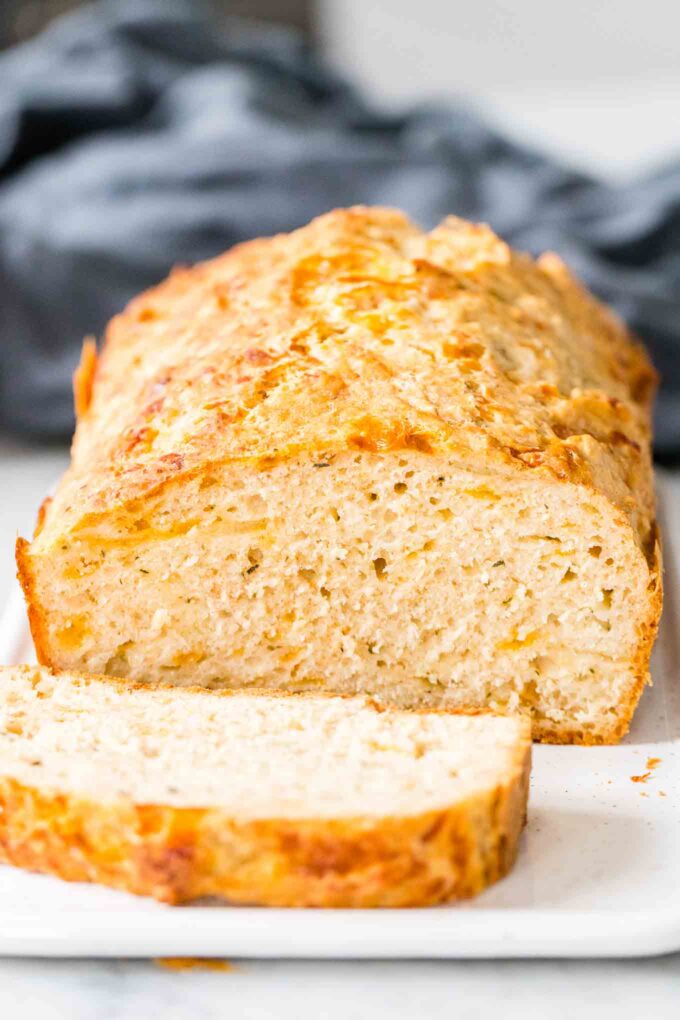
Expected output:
(180, 855)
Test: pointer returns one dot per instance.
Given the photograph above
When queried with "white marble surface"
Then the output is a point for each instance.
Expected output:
(136, 990)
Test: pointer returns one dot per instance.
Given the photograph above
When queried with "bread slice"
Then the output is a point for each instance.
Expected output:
(363, 459)
(255, 798)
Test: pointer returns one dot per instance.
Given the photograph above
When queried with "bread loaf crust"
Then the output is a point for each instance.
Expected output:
(178, 855)
(268, 351)
(359, 333)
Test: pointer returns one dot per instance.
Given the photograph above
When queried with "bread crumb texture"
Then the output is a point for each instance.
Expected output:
(364, 458)
(255, 797)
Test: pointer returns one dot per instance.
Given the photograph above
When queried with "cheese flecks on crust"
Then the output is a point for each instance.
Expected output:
(368, 459)
(309, 801)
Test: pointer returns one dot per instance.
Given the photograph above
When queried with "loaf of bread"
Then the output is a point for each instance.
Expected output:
(255, 797)
(363, 459)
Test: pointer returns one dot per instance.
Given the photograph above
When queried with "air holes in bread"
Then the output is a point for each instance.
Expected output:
(380, 566)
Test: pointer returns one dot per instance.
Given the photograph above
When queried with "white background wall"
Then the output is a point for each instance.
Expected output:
(596, 81)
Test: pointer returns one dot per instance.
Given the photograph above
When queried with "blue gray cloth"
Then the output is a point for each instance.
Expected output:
(136, 134)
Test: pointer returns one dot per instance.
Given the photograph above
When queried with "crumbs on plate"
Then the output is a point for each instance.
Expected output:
(193, 963)
(652, 763)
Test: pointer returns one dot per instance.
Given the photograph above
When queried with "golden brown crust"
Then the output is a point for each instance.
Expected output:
(360, 331)
(180, 854)
(36, 614)
(83, 377)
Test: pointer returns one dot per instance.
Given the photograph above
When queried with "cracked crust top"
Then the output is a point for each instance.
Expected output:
(359, 330)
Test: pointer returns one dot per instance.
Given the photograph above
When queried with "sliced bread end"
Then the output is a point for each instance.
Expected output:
(255, 798)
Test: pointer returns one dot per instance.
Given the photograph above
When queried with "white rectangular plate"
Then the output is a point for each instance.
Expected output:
(598, 872)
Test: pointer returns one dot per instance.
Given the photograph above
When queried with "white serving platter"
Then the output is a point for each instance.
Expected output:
(598, 872)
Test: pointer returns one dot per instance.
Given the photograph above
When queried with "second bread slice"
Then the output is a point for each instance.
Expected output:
(283, 800)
